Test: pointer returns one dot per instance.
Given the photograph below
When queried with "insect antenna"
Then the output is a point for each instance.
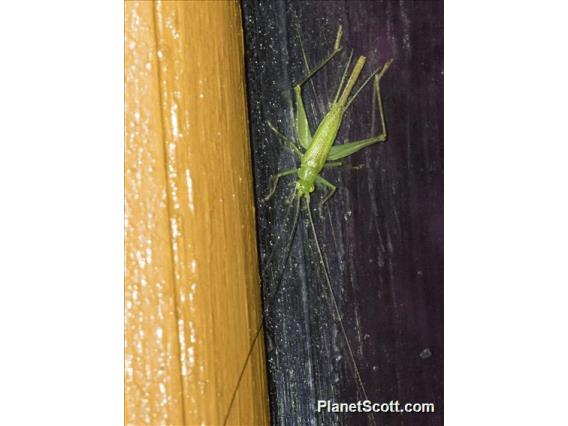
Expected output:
(336, 308)
(271, 299)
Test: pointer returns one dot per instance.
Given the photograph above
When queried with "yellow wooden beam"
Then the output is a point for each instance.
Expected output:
(192, 284)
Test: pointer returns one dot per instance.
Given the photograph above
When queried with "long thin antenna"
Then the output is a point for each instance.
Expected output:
(336, 308)
(271, 300)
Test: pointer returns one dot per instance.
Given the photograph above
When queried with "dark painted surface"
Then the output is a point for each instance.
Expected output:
(382, 231)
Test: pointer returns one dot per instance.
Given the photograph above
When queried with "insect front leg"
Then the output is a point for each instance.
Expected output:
(332, 189)
(275, 179)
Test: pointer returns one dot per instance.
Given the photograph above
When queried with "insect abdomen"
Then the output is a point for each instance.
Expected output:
(325, 135)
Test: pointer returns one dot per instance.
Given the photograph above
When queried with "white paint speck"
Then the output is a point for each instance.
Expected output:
(174, 119)
(174, 228)
(189, 184)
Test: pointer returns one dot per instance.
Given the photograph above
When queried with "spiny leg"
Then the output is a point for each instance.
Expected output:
(336, 49)
(332, 189)
(377, 89)
(338, 152)
(275, 180)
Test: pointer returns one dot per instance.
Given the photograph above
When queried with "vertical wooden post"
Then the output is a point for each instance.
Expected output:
(192, 283)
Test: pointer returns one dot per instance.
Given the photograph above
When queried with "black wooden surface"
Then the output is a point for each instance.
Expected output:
(382, 231)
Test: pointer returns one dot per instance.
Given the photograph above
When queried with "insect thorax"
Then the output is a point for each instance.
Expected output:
(306, 178)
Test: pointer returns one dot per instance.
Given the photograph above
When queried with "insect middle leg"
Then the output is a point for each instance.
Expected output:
(333, 164)
(340, 164)
(275, 180)
(332, 188)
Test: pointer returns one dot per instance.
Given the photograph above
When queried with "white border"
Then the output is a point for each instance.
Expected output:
(61, 179)
(506, 212)
(61, 226)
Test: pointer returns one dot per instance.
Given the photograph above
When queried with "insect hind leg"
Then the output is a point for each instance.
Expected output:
(346, 149)
(336, 49)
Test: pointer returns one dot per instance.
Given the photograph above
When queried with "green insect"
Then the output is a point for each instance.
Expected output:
(318, 151)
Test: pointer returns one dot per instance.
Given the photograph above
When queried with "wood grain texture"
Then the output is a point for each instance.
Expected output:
(382, 234)
(192, 283)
